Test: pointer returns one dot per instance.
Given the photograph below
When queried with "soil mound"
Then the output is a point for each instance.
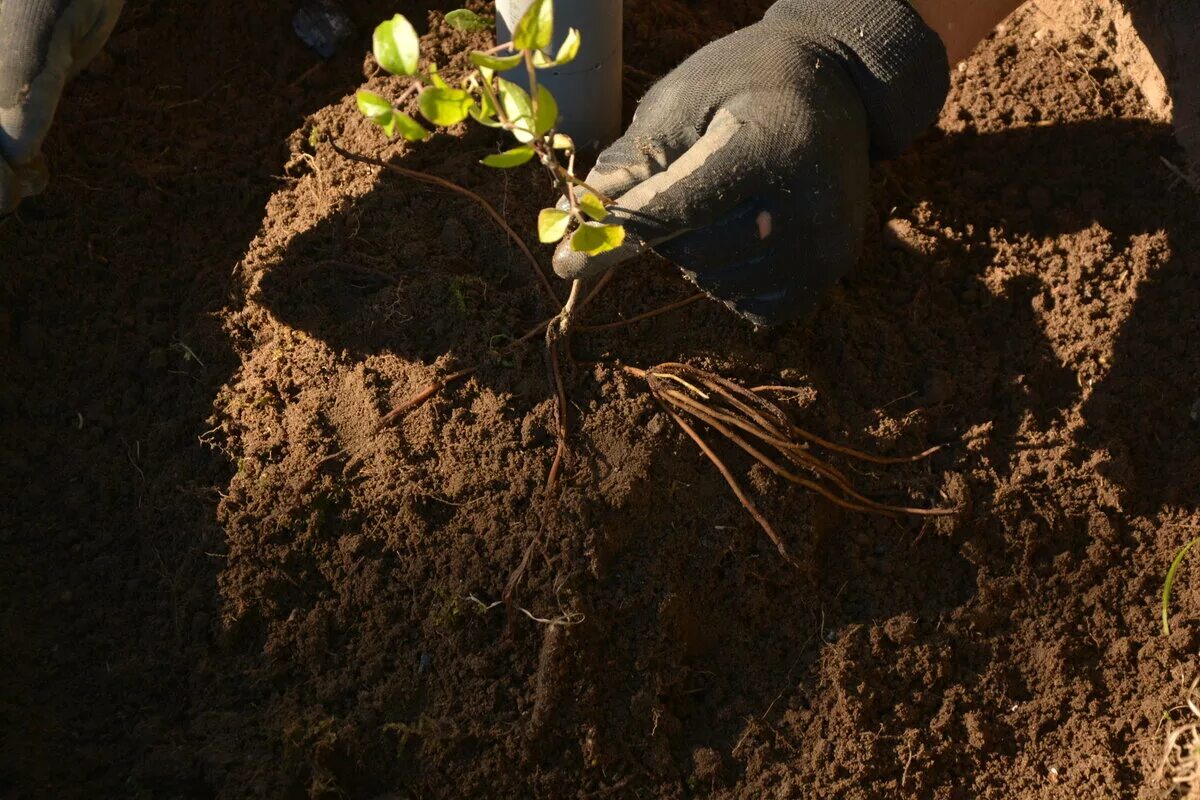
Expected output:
(218, 579)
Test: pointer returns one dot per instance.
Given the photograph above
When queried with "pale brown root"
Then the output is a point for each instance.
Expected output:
(770, 464)
(687, 301)
(791, 449)
(843, 449)
(857, 501)
(745, 500)
(454, 187)
(605, 279)
(668, 376)
(421, 397)
(518, 574)
(732, 410)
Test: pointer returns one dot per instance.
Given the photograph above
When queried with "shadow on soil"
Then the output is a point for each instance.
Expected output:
(969, 353)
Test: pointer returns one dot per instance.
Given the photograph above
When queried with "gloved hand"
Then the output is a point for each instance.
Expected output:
(748, 165)
(43, 43)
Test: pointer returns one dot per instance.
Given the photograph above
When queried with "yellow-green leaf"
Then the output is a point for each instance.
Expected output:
(562, 142)
(510, 158)
(593, 238)
(464, 19)
(409, 128)
(569, 48)
(436, 79)
(372, 106)
(535, 31)
(591, 205)
(397, 47)
(445, 107)
(552, 225)
(547, 112)
(485, 112)
(517, 108)
(497, 63)
(378, 110)
(566, 53)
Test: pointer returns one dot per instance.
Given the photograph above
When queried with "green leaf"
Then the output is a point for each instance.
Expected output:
(485, 112)
(409, 128)
(445, 107)
(1170, 583)
(397, 47)
(518, 108)
(535, 31)
(562, 142)
(593, 238)
(436, 79)
(547, 112)
(510, 158)
(552, 225)
(591, 205)
(372, 106)
(497, 63)
(378, 110)
(569, 48)
(464, 19)
(566, 53)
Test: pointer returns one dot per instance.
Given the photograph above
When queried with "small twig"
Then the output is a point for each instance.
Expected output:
(687, 301)
(419, 398)
(568, 618)
(605, 279)
(425, 177)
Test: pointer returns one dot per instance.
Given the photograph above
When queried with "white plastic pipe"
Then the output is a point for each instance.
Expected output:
(588, 90)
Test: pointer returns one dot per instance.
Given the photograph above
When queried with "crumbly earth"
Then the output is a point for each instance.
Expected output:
(219, 579)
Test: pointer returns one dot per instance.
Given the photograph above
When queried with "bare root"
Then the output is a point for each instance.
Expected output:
(766, 433)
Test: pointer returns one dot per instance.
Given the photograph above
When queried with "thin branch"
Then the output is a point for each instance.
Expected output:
(687, 301)
(425, 177)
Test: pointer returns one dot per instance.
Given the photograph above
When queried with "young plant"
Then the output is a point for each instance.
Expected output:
(745, 418)
(483, 95)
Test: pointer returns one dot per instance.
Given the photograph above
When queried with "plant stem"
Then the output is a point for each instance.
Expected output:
(567, 315)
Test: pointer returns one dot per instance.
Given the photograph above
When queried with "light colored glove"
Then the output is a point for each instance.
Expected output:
(43, 44)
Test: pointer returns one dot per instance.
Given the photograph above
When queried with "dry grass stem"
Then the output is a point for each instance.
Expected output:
(1180, 767)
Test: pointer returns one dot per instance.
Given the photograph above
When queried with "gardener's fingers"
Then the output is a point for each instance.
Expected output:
(700, 185)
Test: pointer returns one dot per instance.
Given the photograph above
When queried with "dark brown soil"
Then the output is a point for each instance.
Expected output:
(200, 598)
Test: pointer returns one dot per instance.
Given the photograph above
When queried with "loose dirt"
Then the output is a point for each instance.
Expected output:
(202, 595)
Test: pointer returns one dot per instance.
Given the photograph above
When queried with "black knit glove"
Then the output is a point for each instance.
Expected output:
(748, 164)
(42, 44)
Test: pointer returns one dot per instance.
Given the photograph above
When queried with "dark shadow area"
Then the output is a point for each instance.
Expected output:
(112, 350)
(125, 325)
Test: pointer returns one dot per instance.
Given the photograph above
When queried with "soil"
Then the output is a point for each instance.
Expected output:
(218, 579)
